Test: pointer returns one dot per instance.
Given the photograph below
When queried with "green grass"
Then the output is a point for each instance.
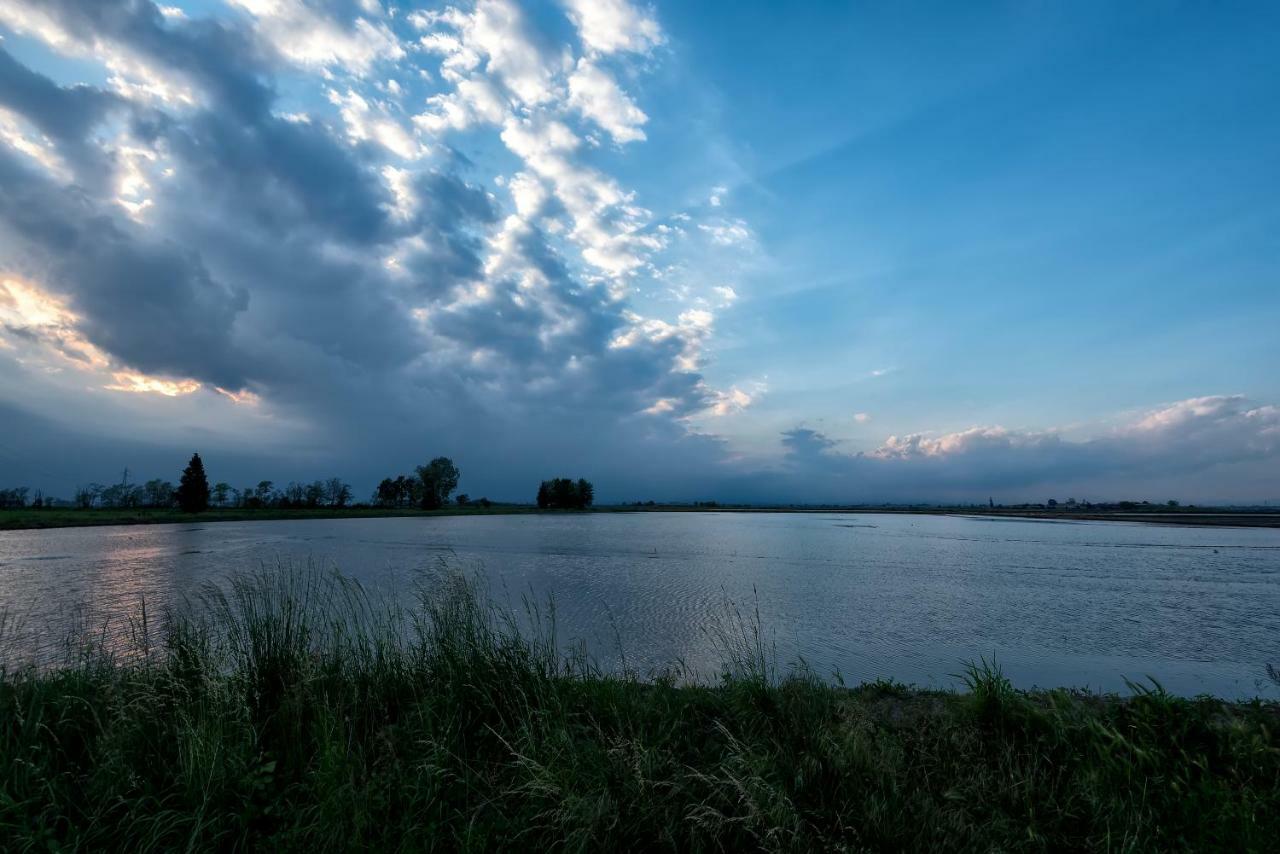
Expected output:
(294, 712)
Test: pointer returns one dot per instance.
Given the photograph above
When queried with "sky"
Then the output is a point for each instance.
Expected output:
(734, 251)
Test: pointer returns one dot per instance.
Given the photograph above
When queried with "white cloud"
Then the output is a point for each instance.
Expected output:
(400, 183)
(472, 102)
(313, 39)
(727, 232)
(728, 296)
(595, 94)
(368, 121)
(19, 135)
(717, 196)
(130, 74)
(496, 34)
(610, 26)
(861, 417)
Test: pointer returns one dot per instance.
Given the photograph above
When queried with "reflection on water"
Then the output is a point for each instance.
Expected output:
(907, 597)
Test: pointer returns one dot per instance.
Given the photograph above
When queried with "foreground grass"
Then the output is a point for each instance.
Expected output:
(293, 713)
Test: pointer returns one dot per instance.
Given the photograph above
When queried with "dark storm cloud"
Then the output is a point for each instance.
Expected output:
(227, 62)
(64, 113)
(150, 303)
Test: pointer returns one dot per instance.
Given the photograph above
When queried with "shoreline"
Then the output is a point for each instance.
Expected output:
(30, 519)
(292, 712)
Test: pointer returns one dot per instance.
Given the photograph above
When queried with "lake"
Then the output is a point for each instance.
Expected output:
(907, 597)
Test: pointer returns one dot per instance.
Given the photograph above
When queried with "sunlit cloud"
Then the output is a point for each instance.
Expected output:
(135, 383)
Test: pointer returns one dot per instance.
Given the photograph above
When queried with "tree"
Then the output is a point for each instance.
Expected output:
(220, 492)
(337, 492)
(562, 493)
(439, 478)
(159, 493)
(193, 489)
(313, 494)
(263, 492)
(463, 500)
(13, 498)
(387, 494)
(407, 490)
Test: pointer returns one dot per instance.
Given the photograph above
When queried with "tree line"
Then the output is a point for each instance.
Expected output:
(430, 487)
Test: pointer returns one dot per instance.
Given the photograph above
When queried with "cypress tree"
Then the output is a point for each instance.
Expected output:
(193, 489)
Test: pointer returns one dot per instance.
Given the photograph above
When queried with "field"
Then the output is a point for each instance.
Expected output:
(17, 519)
(289, 711)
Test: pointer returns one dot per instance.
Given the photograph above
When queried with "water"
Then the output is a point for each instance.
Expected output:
(871, 596)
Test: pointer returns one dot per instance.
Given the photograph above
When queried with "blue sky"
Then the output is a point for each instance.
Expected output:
(828, 252)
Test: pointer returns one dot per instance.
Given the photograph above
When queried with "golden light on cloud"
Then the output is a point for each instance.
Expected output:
(38, 315)
(130, 381)
(244, 397)
(46, 320)
(23, 306)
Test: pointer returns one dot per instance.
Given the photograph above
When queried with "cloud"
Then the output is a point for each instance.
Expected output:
(219, 263)
(610, 26)
(727, 232)
(861, 417)
(594, 93)
(324, 34)
(727, 295)
(1207, 438)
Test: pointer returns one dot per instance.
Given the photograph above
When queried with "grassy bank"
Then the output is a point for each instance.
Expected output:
(294, 713)
(61, 517)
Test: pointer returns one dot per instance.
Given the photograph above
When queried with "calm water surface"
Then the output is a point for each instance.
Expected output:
(907, 597)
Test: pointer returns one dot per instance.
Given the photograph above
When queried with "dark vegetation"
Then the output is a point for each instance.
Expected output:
(292, 712)
(192, 494)
(562, 493)
(429, 488)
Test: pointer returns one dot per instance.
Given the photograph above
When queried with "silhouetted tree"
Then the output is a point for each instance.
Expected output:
(13, 498)
(220, 492)
(463, 500)
(387, 494)
(193, 489)
(562, 493)
(337, 492)
(407, 490)
(158, 493)
(313, 494)
(439, 478)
